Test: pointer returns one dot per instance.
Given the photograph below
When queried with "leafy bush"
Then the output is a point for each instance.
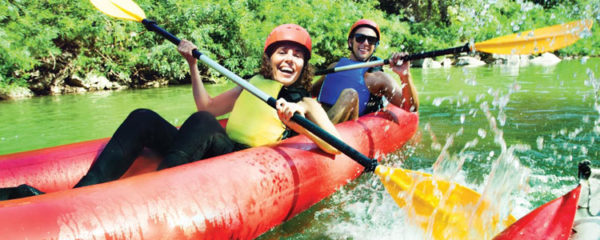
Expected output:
(45, 43)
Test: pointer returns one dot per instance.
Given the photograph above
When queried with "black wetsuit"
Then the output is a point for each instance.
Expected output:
(201, 136)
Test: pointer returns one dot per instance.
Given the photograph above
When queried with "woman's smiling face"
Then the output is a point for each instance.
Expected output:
(287, 62)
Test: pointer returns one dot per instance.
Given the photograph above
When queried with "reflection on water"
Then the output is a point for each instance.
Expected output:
(56, 120)
(512, 134)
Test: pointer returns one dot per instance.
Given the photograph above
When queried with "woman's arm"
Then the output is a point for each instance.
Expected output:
(218, 105)
(313, 111)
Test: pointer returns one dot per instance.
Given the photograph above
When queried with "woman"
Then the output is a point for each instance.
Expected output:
(285, 74)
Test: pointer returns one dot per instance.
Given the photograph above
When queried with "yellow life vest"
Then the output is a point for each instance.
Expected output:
(253, 122)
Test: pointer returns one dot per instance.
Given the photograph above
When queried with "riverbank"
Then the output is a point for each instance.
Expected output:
(58, 47)
(94, 82)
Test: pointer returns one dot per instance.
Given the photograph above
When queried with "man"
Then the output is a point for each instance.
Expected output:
(346, 95)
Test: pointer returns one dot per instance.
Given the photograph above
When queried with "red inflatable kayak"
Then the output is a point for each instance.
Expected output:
(235, 196)
(553, 220)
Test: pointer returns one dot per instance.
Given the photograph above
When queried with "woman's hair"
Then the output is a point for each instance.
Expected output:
(305, 79)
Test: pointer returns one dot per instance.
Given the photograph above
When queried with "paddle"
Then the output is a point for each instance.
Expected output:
(535, 41)
(396, 180)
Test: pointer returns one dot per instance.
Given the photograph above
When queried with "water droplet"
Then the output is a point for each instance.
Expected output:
(584, 59)
(482, 133)
(502, 118)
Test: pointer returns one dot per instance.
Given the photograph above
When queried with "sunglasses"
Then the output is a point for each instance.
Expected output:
(360, 38)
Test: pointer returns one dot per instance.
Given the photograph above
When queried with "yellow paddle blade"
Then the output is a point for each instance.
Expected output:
(442, 209)
(123, 9)
(538, 40)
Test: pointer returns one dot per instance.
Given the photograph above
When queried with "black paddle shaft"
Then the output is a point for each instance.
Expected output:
(422, 55)
(369, 164)
(435, 53)
(152, 26)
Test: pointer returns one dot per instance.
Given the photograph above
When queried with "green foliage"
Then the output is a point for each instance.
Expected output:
(418, 10)
(478, 20)
(40, 40)
(553, 3)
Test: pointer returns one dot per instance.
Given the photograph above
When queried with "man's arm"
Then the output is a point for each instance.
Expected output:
(382, 84)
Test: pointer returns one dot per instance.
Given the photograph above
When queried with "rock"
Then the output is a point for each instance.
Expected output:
(71, 89)
(76, 81)
(446, 62)
(56, 89)
(94, 82)
(467, 61)
(98, 82)
(511, 60)
(546, 59)
(417, 63)
(117, 86)
(13, 92)
(430, 63)
(156, 83)
(524, 60)
(91, 82)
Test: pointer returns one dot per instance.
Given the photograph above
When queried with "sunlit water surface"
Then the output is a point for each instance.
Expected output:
(514, 134)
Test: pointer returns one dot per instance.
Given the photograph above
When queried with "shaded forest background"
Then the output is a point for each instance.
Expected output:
(52, 43)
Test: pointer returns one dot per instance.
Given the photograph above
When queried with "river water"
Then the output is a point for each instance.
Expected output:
(513, 133)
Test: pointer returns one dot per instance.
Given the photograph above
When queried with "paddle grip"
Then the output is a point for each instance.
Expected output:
(326, 71)
(152, 26)
(586, 171)
(369, 164)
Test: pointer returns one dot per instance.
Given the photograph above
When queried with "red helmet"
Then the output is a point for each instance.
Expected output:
(365, 23)
(291, 33)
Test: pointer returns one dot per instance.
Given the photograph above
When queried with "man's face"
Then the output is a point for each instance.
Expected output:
(363, 44)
